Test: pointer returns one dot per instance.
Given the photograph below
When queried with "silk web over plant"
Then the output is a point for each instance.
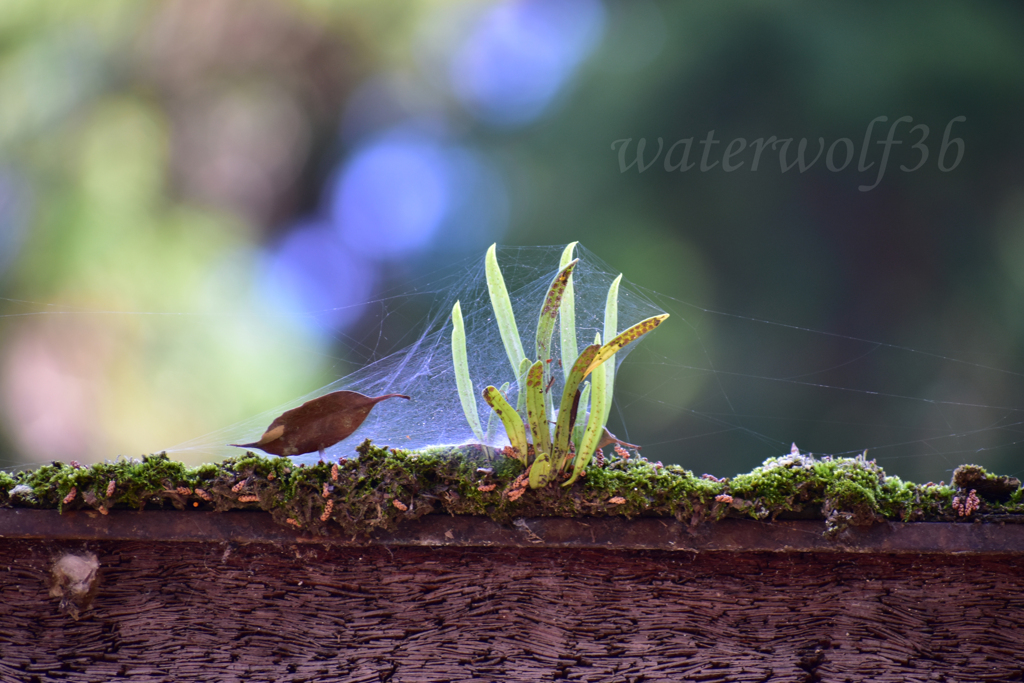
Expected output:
(713, 390)
(424, 370)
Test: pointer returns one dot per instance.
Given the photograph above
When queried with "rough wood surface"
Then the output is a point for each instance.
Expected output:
(651, 533)
(262, 612)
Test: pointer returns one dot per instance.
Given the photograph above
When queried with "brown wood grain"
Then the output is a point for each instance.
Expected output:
(306, 612)
(618, 533)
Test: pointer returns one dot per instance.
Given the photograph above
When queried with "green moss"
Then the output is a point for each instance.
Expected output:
(847, 491)
(383, 487)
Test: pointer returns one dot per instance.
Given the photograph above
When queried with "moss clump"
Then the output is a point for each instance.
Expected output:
(852, 491)
(383, 487)
(1002, 489)
(845, 491)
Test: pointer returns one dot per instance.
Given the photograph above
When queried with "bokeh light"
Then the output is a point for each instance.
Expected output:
(314, 280)
(520, 55)
(392, 196)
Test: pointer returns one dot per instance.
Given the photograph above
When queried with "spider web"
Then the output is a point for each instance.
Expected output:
(424, 371)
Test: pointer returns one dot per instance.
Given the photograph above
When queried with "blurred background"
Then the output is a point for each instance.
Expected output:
(206, 207)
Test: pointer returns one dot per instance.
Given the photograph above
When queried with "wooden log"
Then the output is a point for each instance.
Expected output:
(305, 610)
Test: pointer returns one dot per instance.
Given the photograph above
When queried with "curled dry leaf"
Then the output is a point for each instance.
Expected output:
(318, 424)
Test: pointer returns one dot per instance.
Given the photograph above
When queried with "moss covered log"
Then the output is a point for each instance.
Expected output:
(383, 487)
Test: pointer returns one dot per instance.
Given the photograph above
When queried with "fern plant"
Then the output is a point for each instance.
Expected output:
(577, 432)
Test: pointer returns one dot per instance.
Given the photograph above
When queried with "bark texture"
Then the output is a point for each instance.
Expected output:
(193, 611)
